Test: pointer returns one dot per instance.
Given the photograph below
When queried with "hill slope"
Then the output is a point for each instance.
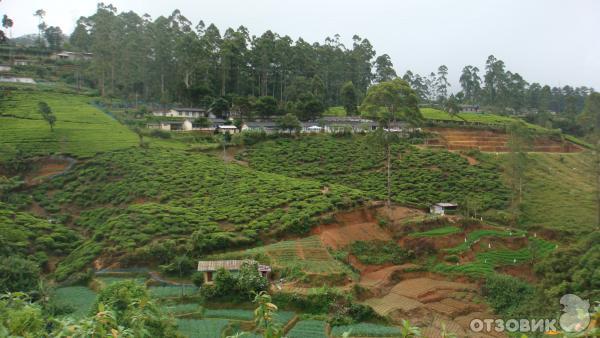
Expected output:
(420, 176)
(559, 193)
(148, 205)
(81, 129)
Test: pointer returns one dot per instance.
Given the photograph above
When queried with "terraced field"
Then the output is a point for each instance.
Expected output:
(494, 141)
(202, 328)
(81, 129)
(79, 299)
(306, 254)
(486, 262)
(308, 329)
(366, 330)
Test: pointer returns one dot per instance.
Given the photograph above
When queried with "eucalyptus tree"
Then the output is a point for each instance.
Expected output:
(390, 102)
(470, 83)
(40, 14)
(442, 83)
(7, 23)
(384, 69)
(495, 77)
(520, 139)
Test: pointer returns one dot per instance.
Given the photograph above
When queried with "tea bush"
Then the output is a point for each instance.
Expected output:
(419, 176)
(127, 199)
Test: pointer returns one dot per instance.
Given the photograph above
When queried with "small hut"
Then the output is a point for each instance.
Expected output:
(443, 208)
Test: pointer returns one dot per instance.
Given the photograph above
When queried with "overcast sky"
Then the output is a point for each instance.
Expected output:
(554, 42)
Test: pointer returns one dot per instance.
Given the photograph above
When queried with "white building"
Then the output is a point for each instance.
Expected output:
(193, 113)
(443, 208)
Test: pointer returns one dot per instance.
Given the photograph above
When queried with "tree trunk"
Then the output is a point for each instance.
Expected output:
(389, 176)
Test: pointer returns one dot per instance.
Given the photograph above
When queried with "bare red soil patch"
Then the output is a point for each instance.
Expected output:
(493, 141)
(349, 227)
(48, 167)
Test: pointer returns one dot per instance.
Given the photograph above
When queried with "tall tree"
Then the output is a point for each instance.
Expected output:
(7, 23)
(470, 83)
(349, 98)
(519, 143)
(494, 79)
(384, 69)
(390, 102)
(442, 83)
(80, 38)
(40, 14)
(54, 37)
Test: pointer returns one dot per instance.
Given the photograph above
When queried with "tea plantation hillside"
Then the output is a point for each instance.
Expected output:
(24, 235)
(419, 176)
(558, 193)
(81, 129)
(146, 206)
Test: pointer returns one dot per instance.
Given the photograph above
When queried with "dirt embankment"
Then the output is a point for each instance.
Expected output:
(48, 167)
(493, 141)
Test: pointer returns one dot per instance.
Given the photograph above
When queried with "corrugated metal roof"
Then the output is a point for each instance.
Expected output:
(447, 205)
(233, 264)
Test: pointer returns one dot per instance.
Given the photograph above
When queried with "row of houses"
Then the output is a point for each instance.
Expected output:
(185, 119)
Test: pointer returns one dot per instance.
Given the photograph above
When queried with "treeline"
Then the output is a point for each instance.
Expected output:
(499, 89)
(172, 59)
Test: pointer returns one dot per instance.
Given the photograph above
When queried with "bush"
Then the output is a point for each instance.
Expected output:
(379, 252)
(198, 278)
(249, 280)
(163, 134)
(452, 258)
(18, 274)
(181, 265)
(506, 293)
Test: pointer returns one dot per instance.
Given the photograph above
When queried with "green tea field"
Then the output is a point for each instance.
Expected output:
(81, 129)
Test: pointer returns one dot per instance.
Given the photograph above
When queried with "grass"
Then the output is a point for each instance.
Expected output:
(559, 193)
(202, 328)
(443, 231)
(81, 129)
(308, 329)
(78, 298)
(171, 291)
(366, 330)
(419, 176)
